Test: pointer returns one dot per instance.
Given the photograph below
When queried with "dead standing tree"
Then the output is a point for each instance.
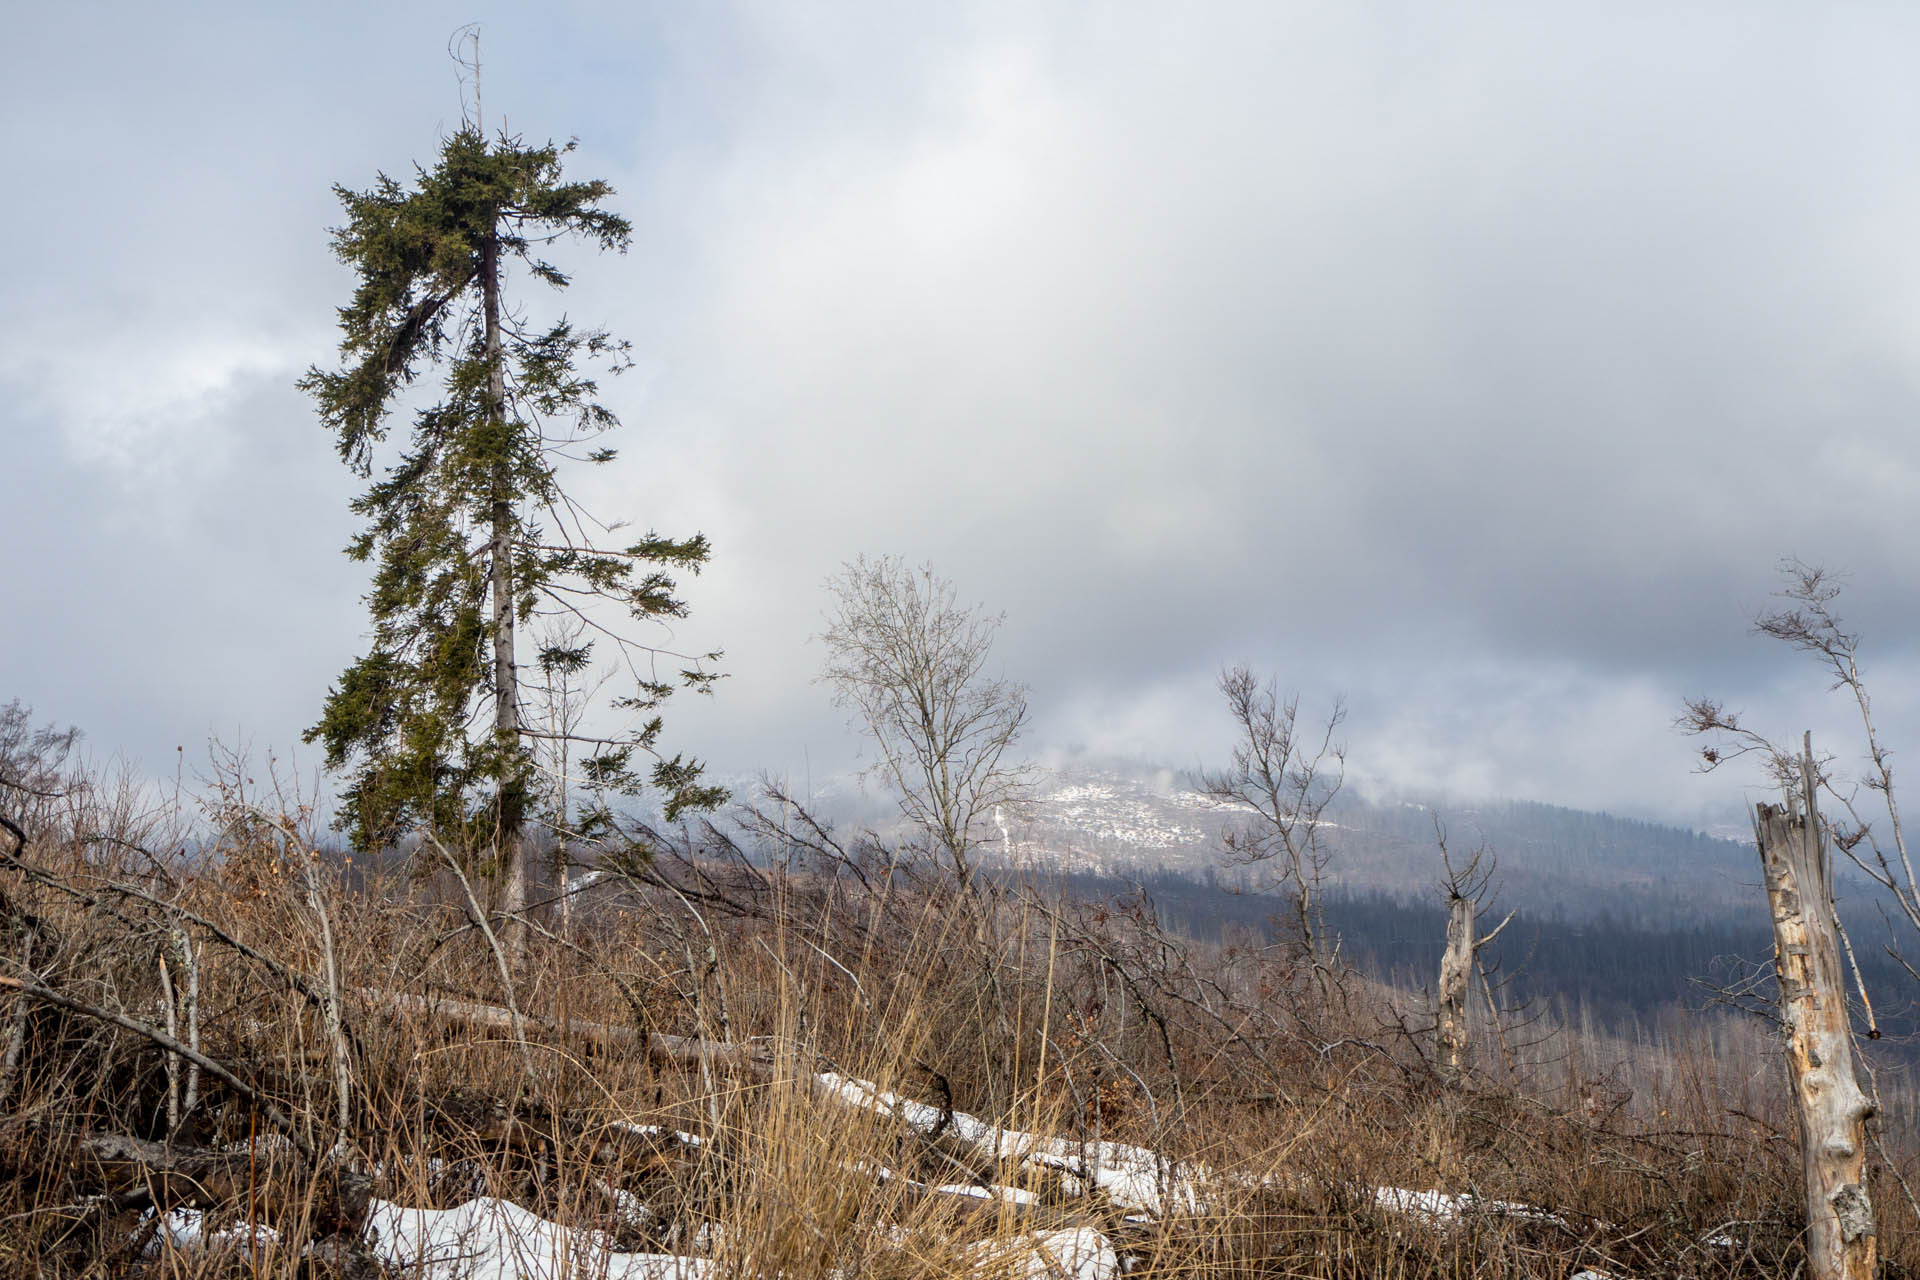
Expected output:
(1810, 625)
(1833, 1112)
(1466, 899)
(1795, 848)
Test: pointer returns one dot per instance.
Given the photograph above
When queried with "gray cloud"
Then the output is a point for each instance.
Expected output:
(1479, 365)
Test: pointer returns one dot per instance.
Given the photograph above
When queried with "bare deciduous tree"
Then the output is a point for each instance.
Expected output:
(1283, 781)
(911, 665)
(35, 765)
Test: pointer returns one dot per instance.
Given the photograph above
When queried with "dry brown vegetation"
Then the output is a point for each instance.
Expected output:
(272, 1035)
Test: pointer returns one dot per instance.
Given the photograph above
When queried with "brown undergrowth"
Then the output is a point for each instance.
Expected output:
(240, 1026)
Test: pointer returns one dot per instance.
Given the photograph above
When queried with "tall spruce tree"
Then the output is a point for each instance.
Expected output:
(470, 530)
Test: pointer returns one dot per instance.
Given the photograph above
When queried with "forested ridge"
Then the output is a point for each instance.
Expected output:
(1615, 973)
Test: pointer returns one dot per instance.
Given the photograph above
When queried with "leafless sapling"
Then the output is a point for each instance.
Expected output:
(912, 665)
(1282, 777)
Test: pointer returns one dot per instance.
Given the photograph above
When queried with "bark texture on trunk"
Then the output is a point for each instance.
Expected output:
(1456, 975)
(1833, 1112)
(506, 684)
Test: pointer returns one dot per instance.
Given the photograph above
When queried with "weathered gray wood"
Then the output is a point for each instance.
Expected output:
(1456, 974)
(335, 1199)
(661, 1046)
(1833, 1112)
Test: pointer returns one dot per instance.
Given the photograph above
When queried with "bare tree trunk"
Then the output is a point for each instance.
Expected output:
(562, 869)
(562, 885)
(506, 685)
(1456, 975)
(1841, 1244)
(1493, 1012)
(336, 1031)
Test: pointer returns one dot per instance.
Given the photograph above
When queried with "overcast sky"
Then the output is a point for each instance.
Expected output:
(1477, 362)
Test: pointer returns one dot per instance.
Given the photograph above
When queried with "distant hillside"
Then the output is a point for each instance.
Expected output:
(1571, 865)
(1554, 862)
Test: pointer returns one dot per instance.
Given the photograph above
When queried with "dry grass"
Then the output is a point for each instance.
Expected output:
(1285, 1102)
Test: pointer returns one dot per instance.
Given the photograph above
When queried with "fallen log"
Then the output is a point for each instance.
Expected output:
(660, 1046)
(219, 1070)
(267, 1181)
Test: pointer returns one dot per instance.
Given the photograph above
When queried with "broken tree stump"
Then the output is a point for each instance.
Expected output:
(1832, 1110)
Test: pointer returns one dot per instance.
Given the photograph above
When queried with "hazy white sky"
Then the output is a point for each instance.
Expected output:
(1475, 361)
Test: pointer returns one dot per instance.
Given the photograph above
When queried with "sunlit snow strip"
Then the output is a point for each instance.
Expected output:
(970, 1190)
(1079, 1253)
(187, 1229)
(489, 1239)
(995, 1192)
(1443, 1206)
(1137, 1178)
(1133, 1177)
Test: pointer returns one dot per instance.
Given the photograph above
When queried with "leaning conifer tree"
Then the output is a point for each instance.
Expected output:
(469, 527)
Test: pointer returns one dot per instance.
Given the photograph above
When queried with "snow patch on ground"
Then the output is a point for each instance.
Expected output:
(489, 1239)
(1134, 1178)
(1444, 1206)
(187, 1229)
(1079, 1253)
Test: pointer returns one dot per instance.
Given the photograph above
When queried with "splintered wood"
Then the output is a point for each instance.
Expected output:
(1456, 974)
(1833, 1112)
